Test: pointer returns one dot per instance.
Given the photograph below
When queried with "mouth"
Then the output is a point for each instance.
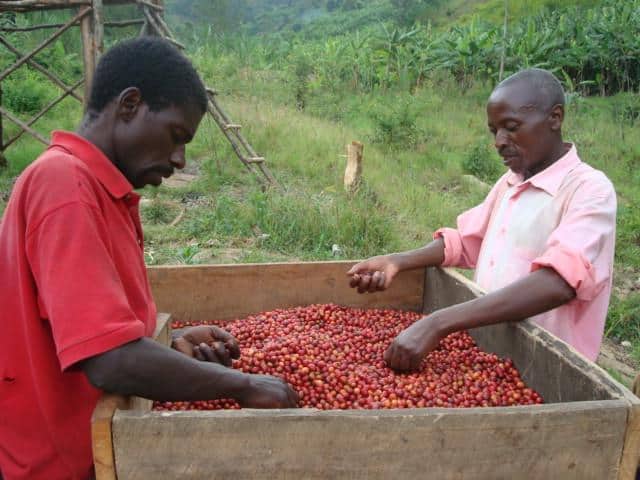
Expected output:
(509, 160)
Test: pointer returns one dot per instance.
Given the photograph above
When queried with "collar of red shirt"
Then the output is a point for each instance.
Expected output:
(551, 177)
(105, 171)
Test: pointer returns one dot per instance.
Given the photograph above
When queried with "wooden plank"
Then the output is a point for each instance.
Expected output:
(222, 292)
(630, 460)
(550, 441)
(101, 435)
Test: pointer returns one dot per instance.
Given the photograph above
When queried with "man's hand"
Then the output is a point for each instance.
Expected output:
(265, 391)
(207, 343)
(412, 344)
(374, 274)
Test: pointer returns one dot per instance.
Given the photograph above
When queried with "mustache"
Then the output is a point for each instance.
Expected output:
(507, 153)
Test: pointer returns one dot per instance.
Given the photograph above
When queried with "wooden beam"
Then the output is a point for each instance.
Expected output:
(3, 160)
(23, 125)
(34, 5)
(88, 55)
(149, 4)
(112, 24)
(40, 68)
(98, 29)
(82, 14)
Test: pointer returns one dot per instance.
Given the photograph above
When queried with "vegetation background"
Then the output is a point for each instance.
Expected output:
(408, 78)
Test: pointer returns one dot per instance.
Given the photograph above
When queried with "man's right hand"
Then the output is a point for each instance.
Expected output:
(265, 391)
(374, 274)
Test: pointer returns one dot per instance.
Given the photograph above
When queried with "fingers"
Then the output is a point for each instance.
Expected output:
(369, 282)
(215, 353)
(399, 359)
(358, 268)
(229, 341)
(363, 285)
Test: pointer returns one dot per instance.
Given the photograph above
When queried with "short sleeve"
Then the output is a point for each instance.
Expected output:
(80, 293)
(581, 248)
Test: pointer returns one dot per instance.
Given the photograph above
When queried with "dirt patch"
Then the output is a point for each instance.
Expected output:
(178, 180)
(618, 358)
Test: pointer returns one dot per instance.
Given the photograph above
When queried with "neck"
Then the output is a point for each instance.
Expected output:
(558, 151)
(96, 130)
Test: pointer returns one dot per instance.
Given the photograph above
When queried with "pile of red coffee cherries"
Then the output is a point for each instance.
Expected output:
(333, 357)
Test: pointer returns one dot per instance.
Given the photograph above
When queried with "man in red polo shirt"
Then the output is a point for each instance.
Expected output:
(77, 310)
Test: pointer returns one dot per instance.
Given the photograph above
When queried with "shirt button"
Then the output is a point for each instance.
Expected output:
(503, 230)
(491, 263)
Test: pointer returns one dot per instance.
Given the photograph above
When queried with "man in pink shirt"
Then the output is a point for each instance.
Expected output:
(541, 243)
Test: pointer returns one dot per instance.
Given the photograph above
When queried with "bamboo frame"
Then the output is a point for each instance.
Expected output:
(44, 26)
(90, 19)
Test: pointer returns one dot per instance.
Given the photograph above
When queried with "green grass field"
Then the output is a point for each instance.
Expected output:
(419, 144)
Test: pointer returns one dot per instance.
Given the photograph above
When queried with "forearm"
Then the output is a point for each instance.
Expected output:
(430, 255)
(147, 369)
(538, 292)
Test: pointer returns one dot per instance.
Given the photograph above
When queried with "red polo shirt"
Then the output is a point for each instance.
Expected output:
(73, 284)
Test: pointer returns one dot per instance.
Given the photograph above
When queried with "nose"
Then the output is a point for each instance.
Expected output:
(501, 139)
(178, 158)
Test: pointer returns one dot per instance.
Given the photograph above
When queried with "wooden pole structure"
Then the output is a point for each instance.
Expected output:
(3, 160)
(353, 172)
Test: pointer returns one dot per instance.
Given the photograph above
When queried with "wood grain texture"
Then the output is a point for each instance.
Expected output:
(577, 441)
(234, 291)
(590, 433)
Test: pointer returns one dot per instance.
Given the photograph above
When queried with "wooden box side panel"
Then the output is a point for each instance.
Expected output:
(225, 292)
(552, 441)
(556, 370)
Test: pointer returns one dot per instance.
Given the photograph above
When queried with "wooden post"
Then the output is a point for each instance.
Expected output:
(353, 172)
(98, 29)
(3, 160)
(86, 31)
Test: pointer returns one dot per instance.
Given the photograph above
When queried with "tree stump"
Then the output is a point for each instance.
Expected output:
(353, 172)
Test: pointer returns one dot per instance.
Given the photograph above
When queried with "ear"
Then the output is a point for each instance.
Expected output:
(128, 104)
(556, 117)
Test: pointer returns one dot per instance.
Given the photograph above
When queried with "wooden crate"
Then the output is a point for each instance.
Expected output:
(588, 429)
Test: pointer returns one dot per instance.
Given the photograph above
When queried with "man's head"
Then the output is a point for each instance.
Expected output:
(525, 114)
(146, 103)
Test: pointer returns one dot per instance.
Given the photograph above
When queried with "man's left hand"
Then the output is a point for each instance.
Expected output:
(207, 343)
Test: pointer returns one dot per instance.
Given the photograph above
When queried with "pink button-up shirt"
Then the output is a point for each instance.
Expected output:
(563, 218)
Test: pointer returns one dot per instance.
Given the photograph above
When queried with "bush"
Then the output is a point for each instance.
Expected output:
(395, 123)
(482, 163)
(23, 92)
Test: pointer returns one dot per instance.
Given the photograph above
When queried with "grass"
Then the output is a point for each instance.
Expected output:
(417, 147)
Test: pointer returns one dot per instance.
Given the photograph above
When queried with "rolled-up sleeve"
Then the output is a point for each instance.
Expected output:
(462, 244)
(581, 248)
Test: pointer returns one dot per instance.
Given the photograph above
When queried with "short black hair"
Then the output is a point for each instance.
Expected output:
(546, 84)
(163, 74)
